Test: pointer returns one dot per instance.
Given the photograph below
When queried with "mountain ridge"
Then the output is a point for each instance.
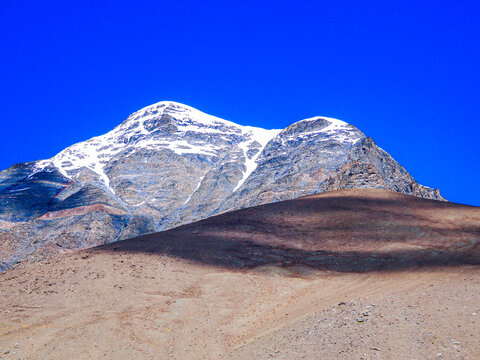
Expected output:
(168, 164)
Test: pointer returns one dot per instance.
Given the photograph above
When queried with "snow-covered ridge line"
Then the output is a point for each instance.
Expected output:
(332, 121)
(148, 128)
(95, 153)
(337, 129)
(185, 109)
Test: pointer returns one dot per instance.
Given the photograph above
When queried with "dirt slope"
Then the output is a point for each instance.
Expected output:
(347, 274)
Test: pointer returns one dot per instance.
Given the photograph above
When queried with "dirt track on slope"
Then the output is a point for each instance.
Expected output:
(263, 283)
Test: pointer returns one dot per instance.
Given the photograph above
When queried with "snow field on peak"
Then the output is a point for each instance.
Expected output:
(143, 130)
(337, 129)
(184, 113)
(96, 152)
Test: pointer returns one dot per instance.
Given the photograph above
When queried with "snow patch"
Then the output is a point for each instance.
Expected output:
(261, 136)
(337, 129)
(17, 190)
(194, 191)
(139, 204)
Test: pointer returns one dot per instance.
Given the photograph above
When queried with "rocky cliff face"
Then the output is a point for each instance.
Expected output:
(169, 164)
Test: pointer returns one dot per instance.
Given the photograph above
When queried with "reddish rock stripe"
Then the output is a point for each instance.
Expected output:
(81, 210)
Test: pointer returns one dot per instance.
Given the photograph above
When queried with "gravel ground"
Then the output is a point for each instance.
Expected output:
(436, 321)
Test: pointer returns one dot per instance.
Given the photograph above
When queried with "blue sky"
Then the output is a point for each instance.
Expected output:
(406, 73)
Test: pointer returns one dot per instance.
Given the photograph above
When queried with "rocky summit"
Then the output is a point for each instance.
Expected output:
(169, 164)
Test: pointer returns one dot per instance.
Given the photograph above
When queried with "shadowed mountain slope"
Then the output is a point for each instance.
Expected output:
(346, 230)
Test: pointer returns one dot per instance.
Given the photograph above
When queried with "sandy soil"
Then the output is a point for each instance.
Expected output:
(436, 316)
(342, 275)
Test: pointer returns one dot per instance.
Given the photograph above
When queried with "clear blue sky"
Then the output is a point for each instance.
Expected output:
(406, 73)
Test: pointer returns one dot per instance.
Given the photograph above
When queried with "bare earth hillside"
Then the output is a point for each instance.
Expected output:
(348, 274)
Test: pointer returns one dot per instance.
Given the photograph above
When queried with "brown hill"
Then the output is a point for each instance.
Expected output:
(344, 274)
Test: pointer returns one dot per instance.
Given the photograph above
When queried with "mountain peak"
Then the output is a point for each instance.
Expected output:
(180, 112)
(168, 164)
(328, 127)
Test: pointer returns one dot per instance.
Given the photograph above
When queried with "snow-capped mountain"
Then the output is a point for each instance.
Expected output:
(168, 164)
(166, 125)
